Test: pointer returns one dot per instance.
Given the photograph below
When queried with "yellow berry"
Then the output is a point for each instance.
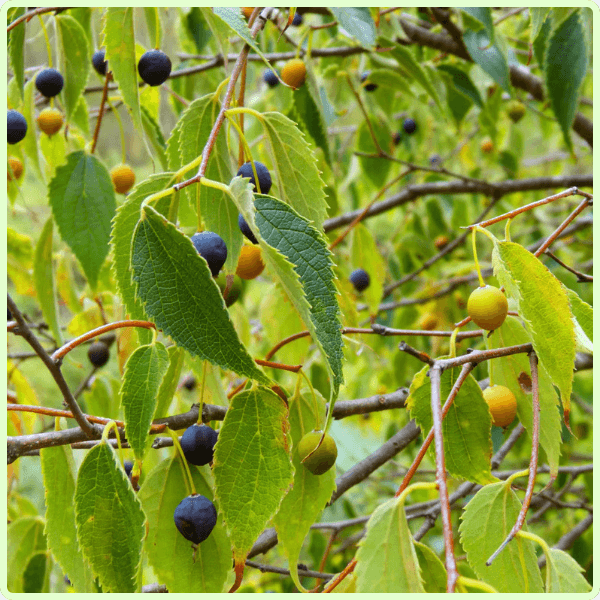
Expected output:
(487, 306)
(294, 73)
(250, 264)
(502, 403)
(323, 458)
(487, 146)
(50, 120)
(15, 169)
(123, 178)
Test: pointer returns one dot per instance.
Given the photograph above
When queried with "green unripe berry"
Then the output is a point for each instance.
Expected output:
(323, 458)
(515, 110)
(487, 306)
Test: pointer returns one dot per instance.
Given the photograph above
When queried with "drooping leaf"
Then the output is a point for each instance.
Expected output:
(126, 218)
(83, 203)
(538, 16)
(216, 208)
(564, 574)
(543, 305)
(155, 136)
(466, 427)
(540, 42)
(299, 181)
(195, 25)
(357, 22)
(583, 317)
(310, 493)
(153, 25)
(25, 539)
(386, 557)
(486, 522)
(311, 115)
(58, 470)
(169, 553)
(74, 60)
(252, 466)
(19, 254)
(462, 82)
(482, 16)
(110, 520)
(143, 375)
(43, 275)
(180, 294)
(16, 45)
(30, 145)
(436, 577)
(118, 37)
(508, 371)
(488, 56)
(564, 71)
(36, 573)
(80, 116)
(169, 382)
(375, 168)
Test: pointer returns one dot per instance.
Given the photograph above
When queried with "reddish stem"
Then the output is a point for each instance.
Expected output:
(274, 365)
(107, 79)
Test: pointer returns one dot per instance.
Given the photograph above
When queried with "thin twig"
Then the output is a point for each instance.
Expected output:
(101, 111)
(36, 11)
(581, 277)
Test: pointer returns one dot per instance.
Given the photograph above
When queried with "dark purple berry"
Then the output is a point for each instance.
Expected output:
(360, 280)
(369, 86)
(245, 229)
(195, 517)
(16, 127)
(270, 78)
(409, 126)
(212, 249)
(154, 67)
(49, 82)
(297, 20)
(264, 177)
(189, 382)
(128, 466)
(198, 444)
(98, 354)
(99, 63)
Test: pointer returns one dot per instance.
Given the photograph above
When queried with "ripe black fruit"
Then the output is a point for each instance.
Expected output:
(98, 354)
(49, 82)
(360, 280)
(369, 86)
(8, 314)
(397, 138)
(128, 466)
(195, 517)
(270, 78)
(189, 382)
(154, 67)
(297, 20)
(409, 126)
(245, 229)
(16, 127)
(99, 63)
(198, 444)
(212, 249)
(264, 177)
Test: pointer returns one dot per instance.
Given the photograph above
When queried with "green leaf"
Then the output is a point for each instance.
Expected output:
(564, 71)
(507, 372)
(19, 251)
(83, 15)
(80, 116)
(169, 553)
(365, 255)
(462, 82)
(376, 169)
(180, 294)
(541, 41)
(195, 25)
(466, 427)
(16, 46)
(144, 371)
(123, 226)
(386, 558)
(30, 146)
(45, 281)
(357, 22)
(169, 383)
(216, 207)
(152, 20)
(36, 573)
(409, 65)
(119, 40)
(486, 522)
(25, 539)
(252, 466)
(154, 134)
(219, 30)
(482, 17)
(436, 579)
(311, 114)
(565, 574)
(289, 235)
(583, 317)
(299, 180)
(538, 16)
(488, 56)
(74, 60)
(310, 493)
(110, 520)
(543, 305)
(58, 470)
(83, 203)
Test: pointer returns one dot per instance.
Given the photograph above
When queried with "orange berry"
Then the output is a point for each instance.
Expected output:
(441, 241)
(123, 178)
(487, 306)
(247, 11)
(502, 403)
(50, 120)
(428, 322)
(294, 73)
(250, 265)
(487, 146)
(15, 169)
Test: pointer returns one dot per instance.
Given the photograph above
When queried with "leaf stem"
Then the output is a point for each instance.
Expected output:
(189, 482)
(474, 583)
(474, 240)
